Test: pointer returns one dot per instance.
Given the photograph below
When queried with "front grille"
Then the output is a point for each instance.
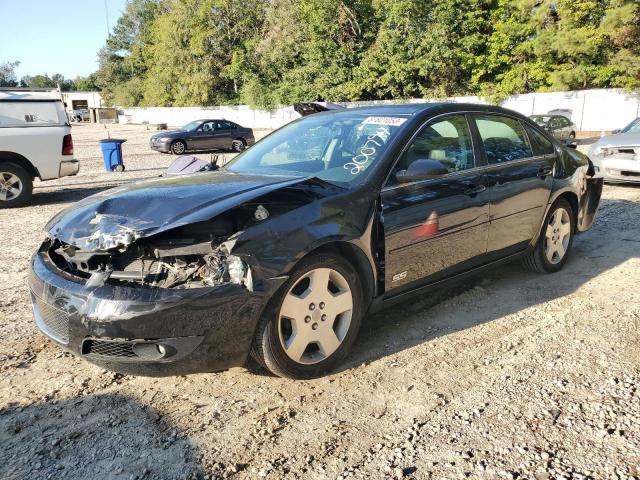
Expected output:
(52, 321)
(101, 348)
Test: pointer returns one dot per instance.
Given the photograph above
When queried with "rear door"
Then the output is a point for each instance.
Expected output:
(224, 134)
(438, 227)
(519, 181)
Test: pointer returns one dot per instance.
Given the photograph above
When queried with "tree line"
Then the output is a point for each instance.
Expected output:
(276, 52)
(9, 78)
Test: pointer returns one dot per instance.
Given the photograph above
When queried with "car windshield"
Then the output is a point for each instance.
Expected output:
(338, 148)
(192, 125)
(633, 127)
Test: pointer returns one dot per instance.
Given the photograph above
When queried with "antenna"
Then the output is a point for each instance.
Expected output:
(106, 16)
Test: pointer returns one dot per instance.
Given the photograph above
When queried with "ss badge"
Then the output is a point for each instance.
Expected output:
(399, 276)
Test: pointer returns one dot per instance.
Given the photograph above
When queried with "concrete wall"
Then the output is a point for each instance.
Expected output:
(592, 110)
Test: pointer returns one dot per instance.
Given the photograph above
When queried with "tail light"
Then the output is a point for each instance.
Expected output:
(67, 145)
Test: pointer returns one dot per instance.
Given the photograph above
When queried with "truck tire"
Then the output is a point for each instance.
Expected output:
(16, 185)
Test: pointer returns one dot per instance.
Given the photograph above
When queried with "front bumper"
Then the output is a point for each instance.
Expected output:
(68, 168)
(160, 145)
(147, 331)
(618, 169)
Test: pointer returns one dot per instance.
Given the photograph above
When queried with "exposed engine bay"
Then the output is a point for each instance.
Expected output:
(192, 256)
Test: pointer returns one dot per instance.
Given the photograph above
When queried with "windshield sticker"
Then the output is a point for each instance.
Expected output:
(367, 152)
(391, 121)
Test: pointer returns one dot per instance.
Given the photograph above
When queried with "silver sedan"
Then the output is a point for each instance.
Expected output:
(617, 157)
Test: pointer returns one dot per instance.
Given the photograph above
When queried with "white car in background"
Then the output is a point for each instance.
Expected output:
(35, 142)
(617, 157)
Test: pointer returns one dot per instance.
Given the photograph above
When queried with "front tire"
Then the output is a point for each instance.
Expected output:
(16, 186)
(554, 245)
(178, 147)
(312, 321)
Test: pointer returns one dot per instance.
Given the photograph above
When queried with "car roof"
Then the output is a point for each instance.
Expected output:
(418, 108)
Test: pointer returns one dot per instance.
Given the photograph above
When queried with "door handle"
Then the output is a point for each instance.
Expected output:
(544, 172)
(474, 189)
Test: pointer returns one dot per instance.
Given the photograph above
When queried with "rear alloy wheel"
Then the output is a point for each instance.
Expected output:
(178, 147)
(238, 145)
(312, 321)
(16, 186)
(553, 247)
(572, 135)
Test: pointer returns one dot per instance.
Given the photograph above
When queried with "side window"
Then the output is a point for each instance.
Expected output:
(208, 126)
(224, 125)
(446, 140)
(541, 145)
(503, 138)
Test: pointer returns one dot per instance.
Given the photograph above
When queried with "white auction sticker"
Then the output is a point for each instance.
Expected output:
(393, 121)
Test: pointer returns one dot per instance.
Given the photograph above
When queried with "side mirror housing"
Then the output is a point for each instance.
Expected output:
(422, 169)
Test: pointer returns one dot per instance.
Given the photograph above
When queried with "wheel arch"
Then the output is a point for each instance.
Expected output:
(21, 161)
(356, 257)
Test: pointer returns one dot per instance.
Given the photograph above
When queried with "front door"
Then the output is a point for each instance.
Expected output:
(201, 138)
(437, 227)
(519, 181)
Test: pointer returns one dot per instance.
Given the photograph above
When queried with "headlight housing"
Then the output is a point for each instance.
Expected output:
(603, 151)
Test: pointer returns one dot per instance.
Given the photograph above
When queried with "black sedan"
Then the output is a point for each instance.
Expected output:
(203, 135)
(283, 252)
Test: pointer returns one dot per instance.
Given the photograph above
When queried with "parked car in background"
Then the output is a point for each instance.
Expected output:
(80, 115)
(35, 142)
(563, 112)
(558, 125)
(617, 157)
(280, 255)
(204, 135)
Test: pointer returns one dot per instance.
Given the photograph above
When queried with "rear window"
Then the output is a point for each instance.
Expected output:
(25, 113)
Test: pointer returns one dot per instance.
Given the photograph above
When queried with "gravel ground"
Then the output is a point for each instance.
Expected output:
(509, 375)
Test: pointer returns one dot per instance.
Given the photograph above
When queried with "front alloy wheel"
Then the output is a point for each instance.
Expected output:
(312, 321)
(315, 316)
(178, 147)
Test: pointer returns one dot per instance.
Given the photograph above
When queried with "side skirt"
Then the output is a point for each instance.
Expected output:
(384, 301)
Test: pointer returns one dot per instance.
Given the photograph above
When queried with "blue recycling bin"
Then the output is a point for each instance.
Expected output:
(112, 154)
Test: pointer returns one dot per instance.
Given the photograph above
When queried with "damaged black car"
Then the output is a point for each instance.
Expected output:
(282, 253)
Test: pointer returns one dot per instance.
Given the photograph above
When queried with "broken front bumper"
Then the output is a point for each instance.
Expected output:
(618, 169)
(147, 331)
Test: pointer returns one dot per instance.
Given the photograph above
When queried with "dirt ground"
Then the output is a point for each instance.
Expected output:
(510, 375)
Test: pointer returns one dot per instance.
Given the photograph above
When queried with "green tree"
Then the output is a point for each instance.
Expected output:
(8, 77)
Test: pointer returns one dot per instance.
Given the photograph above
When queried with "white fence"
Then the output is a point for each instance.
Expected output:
(592, 110)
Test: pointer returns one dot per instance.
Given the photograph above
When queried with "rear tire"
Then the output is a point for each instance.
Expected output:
(556, 239)
(238, 145)
(312, 321)
(16, 186)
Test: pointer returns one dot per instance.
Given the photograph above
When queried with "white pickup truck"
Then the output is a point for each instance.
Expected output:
(35, 142)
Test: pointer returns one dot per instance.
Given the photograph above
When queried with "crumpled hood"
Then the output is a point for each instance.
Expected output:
(119, 216)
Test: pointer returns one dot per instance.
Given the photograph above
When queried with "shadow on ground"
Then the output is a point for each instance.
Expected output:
(67, 440)
(409, 324)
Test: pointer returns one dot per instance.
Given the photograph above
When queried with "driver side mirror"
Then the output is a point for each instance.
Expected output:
(422, 169)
